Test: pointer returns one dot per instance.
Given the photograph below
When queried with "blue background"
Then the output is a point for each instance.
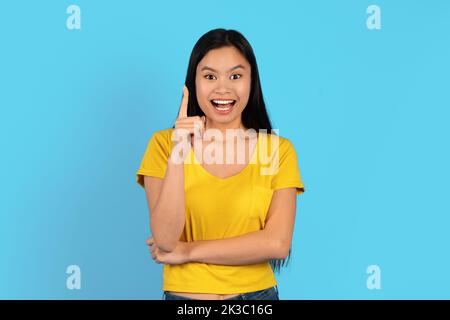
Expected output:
(367, 111)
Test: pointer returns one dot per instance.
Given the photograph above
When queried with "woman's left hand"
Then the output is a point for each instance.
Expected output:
(179, 255)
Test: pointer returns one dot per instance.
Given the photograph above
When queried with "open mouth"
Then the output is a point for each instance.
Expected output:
(223, 104)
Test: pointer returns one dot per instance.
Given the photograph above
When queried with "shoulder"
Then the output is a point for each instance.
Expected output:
(164, 134)
(161, 140)
(277, 142)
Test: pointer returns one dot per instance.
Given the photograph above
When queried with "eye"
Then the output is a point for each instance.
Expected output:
(208, 76)
(237, 75)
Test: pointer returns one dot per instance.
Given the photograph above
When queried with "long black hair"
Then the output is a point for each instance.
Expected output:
(255, 114)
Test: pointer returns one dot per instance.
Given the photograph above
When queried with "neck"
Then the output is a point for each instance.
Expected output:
(223, 127)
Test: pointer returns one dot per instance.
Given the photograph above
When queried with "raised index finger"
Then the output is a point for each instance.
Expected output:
(184, 103)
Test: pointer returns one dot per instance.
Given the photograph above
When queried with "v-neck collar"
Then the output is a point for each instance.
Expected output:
(234, 176)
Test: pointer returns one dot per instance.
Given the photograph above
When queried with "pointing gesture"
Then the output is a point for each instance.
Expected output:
(182, 113)
(194, 125)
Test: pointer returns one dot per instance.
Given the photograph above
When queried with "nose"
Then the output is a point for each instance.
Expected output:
(222, 87)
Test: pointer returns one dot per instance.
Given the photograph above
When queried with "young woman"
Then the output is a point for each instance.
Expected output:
(221, 228)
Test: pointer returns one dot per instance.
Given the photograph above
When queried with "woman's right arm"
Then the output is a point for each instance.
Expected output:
(165, 197)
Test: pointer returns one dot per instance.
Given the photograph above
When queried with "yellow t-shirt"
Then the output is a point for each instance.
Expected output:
(218, 208)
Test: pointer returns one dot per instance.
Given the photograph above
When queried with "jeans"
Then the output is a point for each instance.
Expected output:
(265, 294)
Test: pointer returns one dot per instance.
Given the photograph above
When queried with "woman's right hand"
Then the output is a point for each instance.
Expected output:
(192, 125)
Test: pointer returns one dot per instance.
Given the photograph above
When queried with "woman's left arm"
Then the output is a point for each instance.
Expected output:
(273, 242)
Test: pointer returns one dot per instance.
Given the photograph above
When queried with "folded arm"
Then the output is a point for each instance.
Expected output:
(273, 242)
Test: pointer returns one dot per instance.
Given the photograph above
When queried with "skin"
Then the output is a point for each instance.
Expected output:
(223, 83)
(165, 197)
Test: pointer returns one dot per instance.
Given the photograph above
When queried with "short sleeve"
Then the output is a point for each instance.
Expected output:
(288, 174)
(154, 162)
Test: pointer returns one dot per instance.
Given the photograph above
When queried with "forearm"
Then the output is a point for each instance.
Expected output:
(168, 219)
(251, 248)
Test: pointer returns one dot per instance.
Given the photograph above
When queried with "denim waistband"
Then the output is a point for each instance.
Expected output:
(265, 294)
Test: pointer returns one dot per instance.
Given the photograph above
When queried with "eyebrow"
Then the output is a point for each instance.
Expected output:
(213, 70)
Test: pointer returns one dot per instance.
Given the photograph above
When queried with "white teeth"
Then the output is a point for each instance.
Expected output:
(223, 101)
